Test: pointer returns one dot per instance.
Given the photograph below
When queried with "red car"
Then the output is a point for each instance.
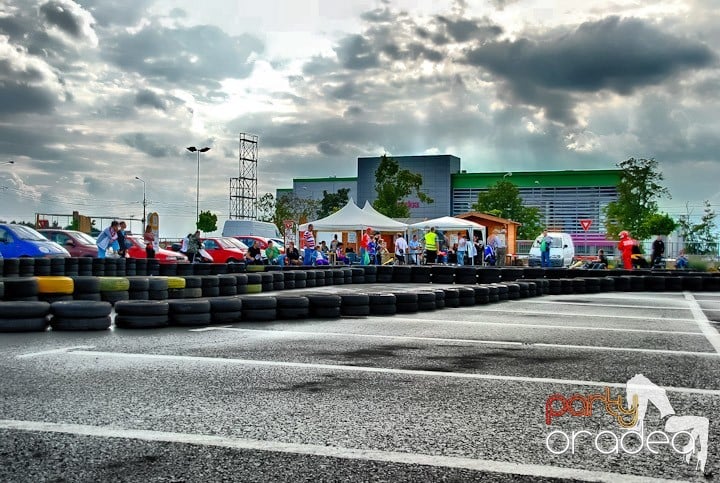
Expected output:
(137, 250)
(77, 243)
(225, 249)
(249, 239)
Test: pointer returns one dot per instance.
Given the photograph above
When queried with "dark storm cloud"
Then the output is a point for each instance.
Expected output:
(613, 54)
(18, 96)
(143, 143)
(149, 98)
(329, 149)
(356, 52)
(199, 55)
(463, 30)
(59, 15)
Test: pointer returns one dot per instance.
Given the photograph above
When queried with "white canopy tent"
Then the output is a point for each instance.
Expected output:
(450, 224)
(348, 218)
(382, 222)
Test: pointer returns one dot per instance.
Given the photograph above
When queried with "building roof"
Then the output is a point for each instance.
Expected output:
(540, 179)
(486, 216)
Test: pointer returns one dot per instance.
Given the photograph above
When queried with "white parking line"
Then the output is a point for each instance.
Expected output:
(711, 334)
(54, 351)
(474, 341)
(504, 467)
(568, 314)
(546, 326)
(377, 370)
(612, 305)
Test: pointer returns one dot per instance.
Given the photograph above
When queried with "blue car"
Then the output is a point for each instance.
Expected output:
(22, 241)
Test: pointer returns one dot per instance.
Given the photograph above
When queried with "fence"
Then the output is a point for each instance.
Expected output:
(708, 251)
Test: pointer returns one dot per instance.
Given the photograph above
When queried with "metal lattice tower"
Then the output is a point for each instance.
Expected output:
(243, 189)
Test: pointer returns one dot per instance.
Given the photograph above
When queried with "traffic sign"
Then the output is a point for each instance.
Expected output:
(585, 224)
(288, 224)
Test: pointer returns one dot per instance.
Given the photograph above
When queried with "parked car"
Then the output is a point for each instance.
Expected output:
(22, 241)
(137, 250)
(562, 251)
(225, 249)
(77, 243)
(253, 227)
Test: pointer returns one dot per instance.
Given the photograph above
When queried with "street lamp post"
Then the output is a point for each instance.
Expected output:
(193, 149)
(144, 200)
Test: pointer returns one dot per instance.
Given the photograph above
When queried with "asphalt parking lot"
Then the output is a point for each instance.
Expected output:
(453, 395)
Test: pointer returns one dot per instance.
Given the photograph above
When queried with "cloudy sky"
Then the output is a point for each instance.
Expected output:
(96, 92)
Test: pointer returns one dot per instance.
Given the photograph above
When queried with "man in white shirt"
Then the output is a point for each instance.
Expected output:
(461, 249)
(401, 248)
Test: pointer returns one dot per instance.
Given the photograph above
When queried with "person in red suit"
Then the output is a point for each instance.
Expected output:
(625, 245)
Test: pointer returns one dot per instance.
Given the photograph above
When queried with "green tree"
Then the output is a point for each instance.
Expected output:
(638, 191)
(660, 224)
(392, 185)
(290, 207)
(700, 238)
(207, 222)
(503, 200)
(332, 202)
(266, 208)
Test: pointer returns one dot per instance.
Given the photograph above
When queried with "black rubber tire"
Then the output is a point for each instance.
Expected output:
(381, 299)
(114, 296)
(324, 300)
(579, 285)
(371, 279)
(309, 283)
(259, 303)
(292, 302)
(607, 284)
(167, 269)
(184, 269)
(11, 267)
(426, 306)
(323, 312)
(80, 309)
(29, 324)
(88, 296)
(426, 296)
(190, 319)
(439, 298)
(227, 280)
(210, 281)
(54, 297)
(139, 284)
(383, 309)
(293, 312)
(466, 275)
(142, 307)
(407, 307)
(406, 298)
(290, 284)
(592, 285)
(211, 291)
(156, 284)
(225, 304)
(622, 284)
(674, 284)
(158, 294)
(402, 274)
(226, 291)
(567, 286)
(420, 274)
(191, 293)
(488, 275)
(259, 315)
(225, 317)
(193, 281)
(303, 275)
(24, 310)
(349, 299)
(77, 324)
(141, 321)
(692, 283)
(20, 288)
(139, 295)
(355, 310)
(189, 306)
(278, 286)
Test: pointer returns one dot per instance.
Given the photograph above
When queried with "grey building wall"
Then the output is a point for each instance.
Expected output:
(436, 172)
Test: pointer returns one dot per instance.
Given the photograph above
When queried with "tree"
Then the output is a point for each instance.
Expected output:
(290, 207)
(332, 202)
(207, 222)
(392, 185)
(700, 238)
(659, 224)
(266, 208)
(503, 200)
(638, 191)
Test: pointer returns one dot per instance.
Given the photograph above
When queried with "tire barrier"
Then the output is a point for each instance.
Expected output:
(452, 297)
(139, 288)
(466, 296)
(488, 275)
(384, 274)
(305, 279)
(482, 295)
(691, 283)
(210, 286)
(426, 300)
(439, 298)
(26, 267)
(24, 316)
(290, 280)
(21, 289)
(578, 285)
(189, 312)
(567, 286)
(357, 276)
(419, 274)
(53, 288)
(324, 306)
(371, 274)
(227, 285)
(402, 274)
(503, 291)
(354, 304)
(2, 289)
(11, 267)
(254, 283)
(225, 310)
(319, 277)
(71, 267)
(292, 307)
(513, 290)
(184, 269)
(241, 282)
(406, 302)
(141, 314)
(442, 275)
(80, 315)
(382, 304)
(266, 280)
(466, 275)
(278, 281)
(494, 292)
(218, 268)
(259, 309)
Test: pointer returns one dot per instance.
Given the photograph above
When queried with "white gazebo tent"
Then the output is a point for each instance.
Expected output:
(450, 223)
(348, 218)
(382, 222)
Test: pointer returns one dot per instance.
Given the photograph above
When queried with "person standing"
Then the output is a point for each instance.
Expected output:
(334, 243)
(625, 245)
(658, 250)
(544, 241)
(478, 250)
(364, 246)
(149, 239)
(500, 246)
(193, 246)
(462, 248)
(401, 248)
(309, 245)
(106, 238)
(414, 249)
(121, 239)
(431, 246)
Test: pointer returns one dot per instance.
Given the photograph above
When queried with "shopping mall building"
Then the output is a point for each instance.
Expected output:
(563, 197)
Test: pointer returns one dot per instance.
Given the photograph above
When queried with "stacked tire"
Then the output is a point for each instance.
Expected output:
(189, 312)
(80, 315)
(141, 314)
(354, 304)
(86, 287)
(382, 304)
(292, 307)
(259, 309)
(21, 289)
(114, 289)
(324, 306)
(55, 288)
(225, 310)
(24, 316)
